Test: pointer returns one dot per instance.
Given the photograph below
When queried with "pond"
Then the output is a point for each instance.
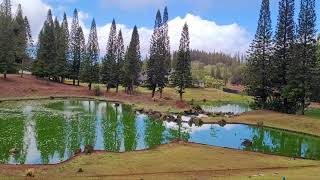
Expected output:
(49, 132)
(235, 108)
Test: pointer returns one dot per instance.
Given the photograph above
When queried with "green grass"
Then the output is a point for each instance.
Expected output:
(312, 112)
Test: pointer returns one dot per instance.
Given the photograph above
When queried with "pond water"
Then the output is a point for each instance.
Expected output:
(49, 132)
(227, 108)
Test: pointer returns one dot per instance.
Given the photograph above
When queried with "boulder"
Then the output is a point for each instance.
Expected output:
(30, 172)
(246, 143)
(88, 149)
(14, 151)
(196, 121)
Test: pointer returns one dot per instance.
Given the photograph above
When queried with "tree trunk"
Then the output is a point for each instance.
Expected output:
(5, 74)
(78, 82)
(153, 91)
(90, 84)
(21, 75)
(180, 92)
(74, 81)
(161, 90)
(117, 88)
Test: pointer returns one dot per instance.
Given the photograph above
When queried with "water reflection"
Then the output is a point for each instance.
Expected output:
(227, 108)
(52, 132)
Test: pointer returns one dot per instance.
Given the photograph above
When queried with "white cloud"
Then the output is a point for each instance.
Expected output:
(35, 10)
(204, 34)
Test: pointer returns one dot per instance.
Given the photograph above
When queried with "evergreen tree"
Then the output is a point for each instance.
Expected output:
(167, 54)
(182, 72)
(7, 43)
(218, 73)
(75, 48)
(62, 49)
(120, 60)
(158, 65)
(109, 64)
(46, 55)
(82, 51)
(153, 65)
(90, 66)
(57, 33)
(21, 39)
(132, 64)
(301, 71)
(30, 45)
(283, 52)
(258, 71)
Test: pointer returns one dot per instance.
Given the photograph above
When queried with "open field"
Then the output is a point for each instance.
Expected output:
(174, 161)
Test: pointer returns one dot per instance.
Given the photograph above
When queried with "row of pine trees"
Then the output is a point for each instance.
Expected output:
(15, 39)
(283, 70)
(62, 54)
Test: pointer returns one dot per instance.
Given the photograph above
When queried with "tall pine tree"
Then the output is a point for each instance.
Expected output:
(75, 49)
(258, 71)
(120, 60)
(7, 43)
(132, 64)
(301, 72)
(153, 65)
(182, 73)
(283, 54)
(108, 72)
(21, 39)
(90, 66)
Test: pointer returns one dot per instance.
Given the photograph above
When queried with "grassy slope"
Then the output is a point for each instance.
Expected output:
(173, 161)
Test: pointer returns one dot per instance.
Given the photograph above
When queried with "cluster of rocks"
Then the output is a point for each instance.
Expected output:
(195, 110)
(246, 143)
(160, 116)
(196, 121)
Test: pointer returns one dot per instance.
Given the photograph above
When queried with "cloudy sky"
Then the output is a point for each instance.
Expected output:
(214, 25)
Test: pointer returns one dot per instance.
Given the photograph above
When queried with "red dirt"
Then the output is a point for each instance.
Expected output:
(15, 86)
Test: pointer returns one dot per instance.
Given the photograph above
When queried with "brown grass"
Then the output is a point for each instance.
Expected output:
(172, 161)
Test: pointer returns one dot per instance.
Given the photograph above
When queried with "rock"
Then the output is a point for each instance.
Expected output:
(51, 97)
(116, 104)
(218, 113)
(78, 151)
(222, 122)
(30, 172)
(14, 151)
(260, 123)
(195, 120)
(88, 149)
(141, 110)
(246, 143)
(80, 170)
(155, 115)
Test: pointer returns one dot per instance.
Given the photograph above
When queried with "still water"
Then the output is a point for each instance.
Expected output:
(227, 108)
(49, 132)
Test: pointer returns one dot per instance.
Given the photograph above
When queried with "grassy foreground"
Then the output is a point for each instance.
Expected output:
(173, 161)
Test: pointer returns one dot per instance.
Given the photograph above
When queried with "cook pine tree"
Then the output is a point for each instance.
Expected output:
(182, 77)
(302, 71)
(90, 65)
(283, 56)
(75, 48)
(132, 64)
(108, 72)
(120, 53)
(258, 65)
(7, 43)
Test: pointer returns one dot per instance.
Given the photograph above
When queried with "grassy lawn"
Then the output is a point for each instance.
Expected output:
(172, 162)
(313, 112)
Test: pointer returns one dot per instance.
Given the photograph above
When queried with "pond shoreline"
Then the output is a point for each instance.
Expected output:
(137, 109)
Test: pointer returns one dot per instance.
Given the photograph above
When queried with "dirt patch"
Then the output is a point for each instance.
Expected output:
(29, 86)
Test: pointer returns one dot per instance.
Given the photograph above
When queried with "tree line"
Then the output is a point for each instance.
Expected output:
(62, 54)
(16, 44)
(283, 69)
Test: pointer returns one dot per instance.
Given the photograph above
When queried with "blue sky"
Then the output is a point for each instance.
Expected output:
(214, 25)
(242, 12)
